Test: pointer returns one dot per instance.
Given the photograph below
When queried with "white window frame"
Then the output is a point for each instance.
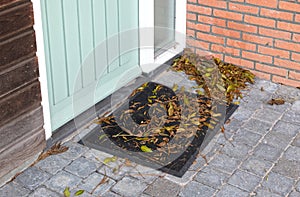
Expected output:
(148, 61)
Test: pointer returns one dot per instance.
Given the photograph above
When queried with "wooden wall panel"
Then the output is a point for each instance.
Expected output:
(21, 119)
(15, 20)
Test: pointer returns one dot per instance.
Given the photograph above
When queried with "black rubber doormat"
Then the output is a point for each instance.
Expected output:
(159, 127)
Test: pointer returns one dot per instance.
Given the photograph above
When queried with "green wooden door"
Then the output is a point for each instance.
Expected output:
(88, 55)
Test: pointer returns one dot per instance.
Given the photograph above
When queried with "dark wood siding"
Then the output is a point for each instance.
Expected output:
(21, 119)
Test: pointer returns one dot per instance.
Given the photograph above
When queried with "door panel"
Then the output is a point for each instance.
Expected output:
(87, 55)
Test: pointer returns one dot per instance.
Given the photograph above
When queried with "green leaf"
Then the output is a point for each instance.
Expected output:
(109, 159)
(67, 192)
(186, 100)
(79, 192)
(146, 149)
(175, 87)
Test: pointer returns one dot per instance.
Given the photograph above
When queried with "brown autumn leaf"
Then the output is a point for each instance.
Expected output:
(54, 150)
(278, 101)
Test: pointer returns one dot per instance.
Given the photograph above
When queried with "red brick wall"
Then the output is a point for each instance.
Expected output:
(261, 35)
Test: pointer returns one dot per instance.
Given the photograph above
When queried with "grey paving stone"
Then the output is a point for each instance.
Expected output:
(292, 153)
(257, 126)
(81, 167)
(247, 137)
(91, 182)
(294, 194)
(145, 174)
(256, 166)
(267, 85)
(75, 150)
(272, 115)
(229, 191)
(96, 156)
(267, 152)
(184, 180)
(265, 193)
(220, 138)
(243, 114)
(292, 117)
(211, 177)
(244, 180)
(286, 128)
(136, 187)
(110, 194)
(238, 151)
(278, 108)
(225, 163)
(298, 186)
(62, 180)
(296, 141)
(195, 189)
(290, 94)
(42, 191)
(233, 126)
(32, 178)
(14, 190)
(288, 168)
(164, 78)
(162, 188)
(278, 140)
(53, 164)
(278, 184)
(113, 172)
(104, 188)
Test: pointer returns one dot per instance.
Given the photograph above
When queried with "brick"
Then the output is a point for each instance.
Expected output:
(210, 38)
(198, 26)
(242, 27)
(226, 32)
(198, 44)
(199, 9)
(258, 39)
(239, 61)
(286, 81)
(296, 56)
(191, 16)
(244, 180)
(202, 190)
(287, 45)
(276, 14)
(288, 26)
(297, 18)
(212, 20)
(261, 75)
(227, 15)
(265, 3)
(214, 3)
(289, 6)
(192, 1)
(287, 64)
(191, 33)
(278, 184)
(296, 37)
(271, 69)
(241, 45)
(257, 57)
(275, 33)
(294, 75)
(259, 21)
(226, 50)
(243, 8)
(273, 52)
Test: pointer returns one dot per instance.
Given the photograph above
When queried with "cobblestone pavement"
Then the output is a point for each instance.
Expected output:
(264, 160)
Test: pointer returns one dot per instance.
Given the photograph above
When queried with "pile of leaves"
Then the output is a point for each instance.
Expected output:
(217, 78)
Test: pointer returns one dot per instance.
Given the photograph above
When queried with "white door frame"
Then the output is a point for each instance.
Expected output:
(42, 65)
(148, 62)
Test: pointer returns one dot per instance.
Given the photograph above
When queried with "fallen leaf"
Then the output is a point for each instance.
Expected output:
(146, 149)
(79, 192)
(277, 101)
(67, 192)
